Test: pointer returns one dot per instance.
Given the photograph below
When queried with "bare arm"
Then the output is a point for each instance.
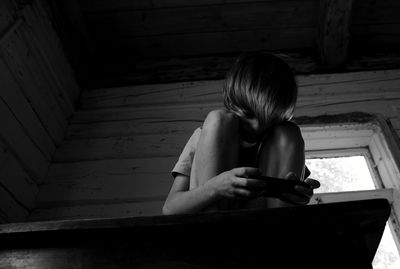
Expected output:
(180, 200)
(230, 184)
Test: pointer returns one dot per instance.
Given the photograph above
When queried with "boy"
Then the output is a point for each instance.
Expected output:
(252, 136)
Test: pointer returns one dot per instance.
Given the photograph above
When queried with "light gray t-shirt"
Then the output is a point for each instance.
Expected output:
(185, 164)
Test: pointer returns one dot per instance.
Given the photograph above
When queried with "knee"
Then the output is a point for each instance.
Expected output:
(287, 137)
(221, 121)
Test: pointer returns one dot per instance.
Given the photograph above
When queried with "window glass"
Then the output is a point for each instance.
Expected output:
(341, 174)
(351, 173)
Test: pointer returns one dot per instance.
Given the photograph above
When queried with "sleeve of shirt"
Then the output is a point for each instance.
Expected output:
(184, 164)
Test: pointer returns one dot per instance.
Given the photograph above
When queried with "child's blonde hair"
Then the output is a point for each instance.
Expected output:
(261, 86)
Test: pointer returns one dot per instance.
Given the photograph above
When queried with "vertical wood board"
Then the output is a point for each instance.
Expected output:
(15, 137)
(18, 57)
(10, 211)
(13, 97)
(14, 178)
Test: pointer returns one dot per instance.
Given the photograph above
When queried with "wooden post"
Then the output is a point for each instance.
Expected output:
(333, 32)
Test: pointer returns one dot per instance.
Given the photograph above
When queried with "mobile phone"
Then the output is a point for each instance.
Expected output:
(276, 186)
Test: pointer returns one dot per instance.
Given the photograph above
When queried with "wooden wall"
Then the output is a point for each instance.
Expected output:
(123, 142)
(159, 41)
(37, 97)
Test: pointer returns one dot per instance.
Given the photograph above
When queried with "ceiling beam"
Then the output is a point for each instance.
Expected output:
(333, 32)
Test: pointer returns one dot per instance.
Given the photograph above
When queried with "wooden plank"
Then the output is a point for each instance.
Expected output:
(15, 137)
(376, 36)
(156, 71)
(138, 146)
(136, 188)
(36, 63)
(335, 197)
(333, 31)
(7, 16)
(16, 180)
(107, 181)
(182, 45)
(151, 113)
(367, 85)
(171, 144)
(175, 93)
(12, 96)
(170, 120)
(106, 168)
(44, 29)
(49, 47)
(18, 57)
(375, 12)
(91, 6)
(46, 57)
(128, 188)
(10, 210)
(374, 61)
(131, 127)
(69, 32)
(200, 19)
(95, 211)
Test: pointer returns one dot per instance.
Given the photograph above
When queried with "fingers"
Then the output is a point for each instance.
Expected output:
(292, 176)
(246, 171)
(242, 193)
(314, 184)
(250, 183)
(304, 191)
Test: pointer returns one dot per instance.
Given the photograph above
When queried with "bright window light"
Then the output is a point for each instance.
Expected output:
(341, 174)
(352, 174)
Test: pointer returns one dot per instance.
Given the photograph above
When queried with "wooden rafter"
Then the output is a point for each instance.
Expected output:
(333, 32)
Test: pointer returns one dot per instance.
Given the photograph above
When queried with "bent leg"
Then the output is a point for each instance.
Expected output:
(281, 153)
(218, 147)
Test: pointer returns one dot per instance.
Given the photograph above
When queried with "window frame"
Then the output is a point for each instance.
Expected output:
(375, 141)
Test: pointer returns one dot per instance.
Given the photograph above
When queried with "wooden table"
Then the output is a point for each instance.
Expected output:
(337, 235)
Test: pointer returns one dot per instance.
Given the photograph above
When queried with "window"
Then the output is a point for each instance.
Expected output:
(357, 161)
(352, 171)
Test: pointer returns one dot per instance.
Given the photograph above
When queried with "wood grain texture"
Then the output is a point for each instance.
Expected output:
(201, 19)
(15, 137)
(88, 211)
(107, 182)
(15, 180)
(44, 29)
(375, 12)
(153, 71)
(12, 96)
(160, 71)
(199, 44)
(45, 37)
(121, 147)
(24, 67)
(7, 15)
(377, 36)
(119, 133)
(91, 6)
(48, 57)
(333, 31)
(10, 210)
(372, 85)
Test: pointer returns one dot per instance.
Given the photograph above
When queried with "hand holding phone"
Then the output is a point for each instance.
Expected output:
(276, 186)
